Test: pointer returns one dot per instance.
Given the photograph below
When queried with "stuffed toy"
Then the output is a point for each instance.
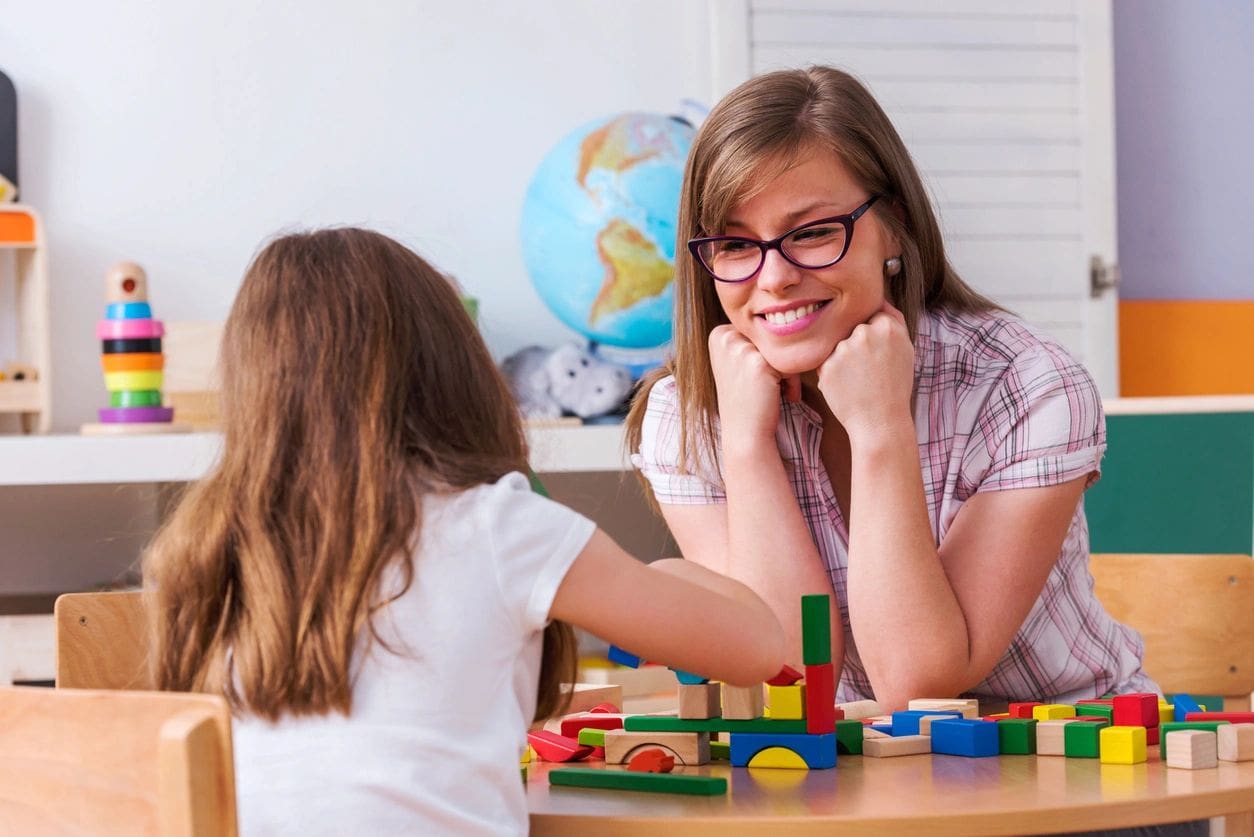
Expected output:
(550, 382)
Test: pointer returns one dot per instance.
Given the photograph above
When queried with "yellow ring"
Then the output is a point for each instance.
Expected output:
(118, 381)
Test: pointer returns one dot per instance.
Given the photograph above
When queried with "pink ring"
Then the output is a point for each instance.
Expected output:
(129, 329)
(131, 415)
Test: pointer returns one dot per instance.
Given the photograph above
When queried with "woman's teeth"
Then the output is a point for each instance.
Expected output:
(786, 317)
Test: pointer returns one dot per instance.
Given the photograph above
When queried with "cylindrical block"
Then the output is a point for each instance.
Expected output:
(135, 398)
(133, 362)
(135, 415)
(118, 381)
(150, 345)
(128, 311)
(129, 329)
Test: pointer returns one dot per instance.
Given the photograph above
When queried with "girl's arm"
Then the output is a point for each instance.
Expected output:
(671, 612)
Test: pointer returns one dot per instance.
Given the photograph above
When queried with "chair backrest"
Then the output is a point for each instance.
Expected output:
(1196, 613)
(115, 762)
(102, 641)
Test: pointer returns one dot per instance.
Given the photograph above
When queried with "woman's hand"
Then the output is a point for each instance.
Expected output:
(748, 389)
(868, 378)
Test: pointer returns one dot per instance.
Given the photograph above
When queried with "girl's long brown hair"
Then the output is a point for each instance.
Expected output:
(756, 131)
(354, 383)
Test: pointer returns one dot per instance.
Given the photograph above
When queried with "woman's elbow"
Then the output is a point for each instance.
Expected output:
(763, 655)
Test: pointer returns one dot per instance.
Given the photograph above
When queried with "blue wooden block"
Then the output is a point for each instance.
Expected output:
(128, 311)
(887, 729)
(817, 751)
(906, 721)
(1184, 705)
(962, 737)
(689, 679)
(623, 658)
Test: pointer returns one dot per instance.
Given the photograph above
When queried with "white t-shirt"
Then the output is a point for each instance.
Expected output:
(433, 742)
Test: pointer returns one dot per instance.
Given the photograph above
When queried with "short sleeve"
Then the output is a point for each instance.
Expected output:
(534, 542)
(1041, 425)
(658, 457)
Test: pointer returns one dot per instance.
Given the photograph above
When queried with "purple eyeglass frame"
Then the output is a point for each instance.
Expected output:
(847, 221)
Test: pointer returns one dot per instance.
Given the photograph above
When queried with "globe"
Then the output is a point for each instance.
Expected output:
(598, 227)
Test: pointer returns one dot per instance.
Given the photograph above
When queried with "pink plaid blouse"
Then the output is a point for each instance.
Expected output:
(997, 406)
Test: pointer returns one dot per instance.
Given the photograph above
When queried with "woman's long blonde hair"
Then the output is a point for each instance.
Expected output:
(755, 132)
(354, 383)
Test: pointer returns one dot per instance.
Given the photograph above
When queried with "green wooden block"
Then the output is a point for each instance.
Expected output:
(670, 723)
(816, 630)
(849, 737)
(1017, 736)
(1172, 726)
(592, 737)
(1209, 703)
(1082, 739)
(1096, 710)
(592, 777)
(720, 751)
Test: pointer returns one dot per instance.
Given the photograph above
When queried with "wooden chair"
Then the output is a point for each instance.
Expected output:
(114, 762)
(102, 641)
(1196, 613)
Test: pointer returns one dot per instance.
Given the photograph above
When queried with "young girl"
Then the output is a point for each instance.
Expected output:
(926, 457)
(366, 575)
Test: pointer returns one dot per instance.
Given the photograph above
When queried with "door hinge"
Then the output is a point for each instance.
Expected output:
(1103, 276)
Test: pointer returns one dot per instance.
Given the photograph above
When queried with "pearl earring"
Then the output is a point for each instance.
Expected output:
(892, 266)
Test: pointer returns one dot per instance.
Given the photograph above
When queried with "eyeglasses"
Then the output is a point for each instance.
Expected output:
(812, 246)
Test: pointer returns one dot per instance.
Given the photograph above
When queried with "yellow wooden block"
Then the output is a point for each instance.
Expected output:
(1053, 712)
(787, 702)
(1166, 713)
(526, 756)
(1122, 745)
(780, 757)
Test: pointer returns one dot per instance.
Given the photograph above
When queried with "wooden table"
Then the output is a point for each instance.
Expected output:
(930, 794)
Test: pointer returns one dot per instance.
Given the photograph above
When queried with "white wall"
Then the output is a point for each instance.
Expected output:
(182, 134)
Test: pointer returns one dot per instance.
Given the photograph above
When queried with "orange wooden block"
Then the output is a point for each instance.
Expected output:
(16, 227)
(653, 760)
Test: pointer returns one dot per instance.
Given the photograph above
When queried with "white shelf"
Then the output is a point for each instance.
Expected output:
(182, 457)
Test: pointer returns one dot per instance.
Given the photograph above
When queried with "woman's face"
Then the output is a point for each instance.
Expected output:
(794, 316)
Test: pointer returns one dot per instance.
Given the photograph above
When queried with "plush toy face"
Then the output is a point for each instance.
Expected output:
(584, 385)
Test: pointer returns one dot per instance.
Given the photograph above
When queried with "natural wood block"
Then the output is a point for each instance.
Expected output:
(869, 732)
(969, 707)
(1050, 737)
(859, 709)
(1235, 742)
(925, 723)
(646, 680)
(700, 701)
(1192, 749)
(900, 745)
(742, 703)
(689, 748)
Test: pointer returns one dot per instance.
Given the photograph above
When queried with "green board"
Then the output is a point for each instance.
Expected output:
(1175, 483)
(670, 723)
(591, 777)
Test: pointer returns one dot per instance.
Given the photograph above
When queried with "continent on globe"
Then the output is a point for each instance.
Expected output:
(634, 269)
(620, 144)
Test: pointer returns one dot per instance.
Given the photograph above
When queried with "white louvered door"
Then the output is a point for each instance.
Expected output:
(1008, 110)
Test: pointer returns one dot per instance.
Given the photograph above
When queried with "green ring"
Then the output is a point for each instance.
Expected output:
(135, 398)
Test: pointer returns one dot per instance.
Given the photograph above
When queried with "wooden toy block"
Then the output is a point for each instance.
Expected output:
(720, 751)
(571, 725)
(606, 707)
(1002, 716)
(591, 777)
(128, 311)
(1123, 745)
(815, 751)
(907, 721)
(858, 709)
(777, 758)
(878, 719)
(671, 723)
(1230, 717)
(1095, 710)
(849, 737)
(1023, 710)
(1051, 737)
(1139, 710)
(525, 758)
(623, 658)
(126, 282)
(874, 731)
(1163, 729)
(964, 737)
(688, 679)
(968, 707)
(592, 737)
(634, 682)
(652, 760)
(925, 721)
(820, 696)
(902, 745)
(689, 748)
(1015, 736)
(700, 701)
(1183, 706)
(1235, 742)
(885, 729)
(816, 630)
(1053, 712)
(1192, 749)
(549, 746)
(1083, 741)
(1152, 738)
(787, 701)
(742, 703)
(787, 677)
(1166, 713)
(1097, 701)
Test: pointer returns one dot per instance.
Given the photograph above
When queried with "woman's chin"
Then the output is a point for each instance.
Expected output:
(795, 360)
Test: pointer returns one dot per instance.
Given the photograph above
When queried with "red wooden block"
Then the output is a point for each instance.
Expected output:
(1100, 701)
(1022, 710)
(572, 725)
(787, 676)
(1151, 736)
(550, 746)
(652, 760)
(820, 699)
(605, 707)
(1139, 710)
(1093, 718)
(1233, 717)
